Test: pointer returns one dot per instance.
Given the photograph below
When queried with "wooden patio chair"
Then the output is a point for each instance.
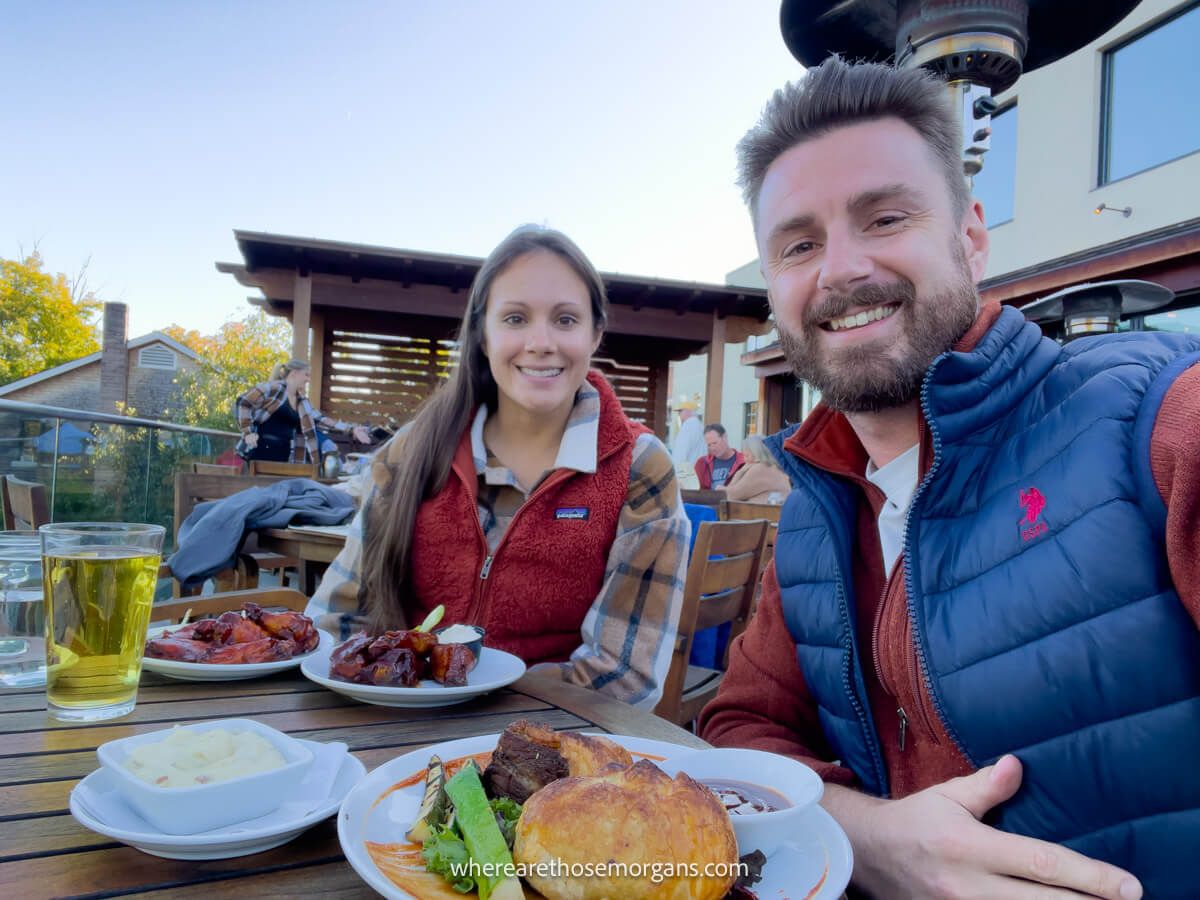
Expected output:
(199, 468)
(744, 511)
(287, 469)
(269, 598)
(24, 504)
(717, 590)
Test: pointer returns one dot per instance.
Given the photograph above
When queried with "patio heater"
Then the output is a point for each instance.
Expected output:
(1095, 308)
(980, 47)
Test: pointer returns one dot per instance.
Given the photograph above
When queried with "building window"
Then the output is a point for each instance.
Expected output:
(156, 356)
(750, 417)
(996, 184)
(1183, 321)
(1149, 84)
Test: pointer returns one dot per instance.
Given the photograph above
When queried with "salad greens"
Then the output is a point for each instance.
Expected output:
(445, 852)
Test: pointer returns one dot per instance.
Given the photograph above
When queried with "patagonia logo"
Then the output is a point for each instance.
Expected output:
(1031, 525)
(573, 512)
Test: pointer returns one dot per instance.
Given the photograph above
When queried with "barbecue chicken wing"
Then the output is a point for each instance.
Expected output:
(236, 639)
(286, 625)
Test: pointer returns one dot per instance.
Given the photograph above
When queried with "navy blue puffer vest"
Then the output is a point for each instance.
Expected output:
(1045, 621)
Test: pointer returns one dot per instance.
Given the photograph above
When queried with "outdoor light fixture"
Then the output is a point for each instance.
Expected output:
(980, 47)
(1097, 308)
(1126, 211)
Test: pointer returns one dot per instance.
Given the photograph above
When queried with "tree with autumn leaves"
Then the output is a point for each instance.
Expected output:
(45, 320)
(242, 353)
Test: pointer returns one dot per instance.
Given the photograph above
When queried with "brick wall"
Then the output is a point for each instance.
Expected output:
(114, 357)
(77, 389)
(152, 392)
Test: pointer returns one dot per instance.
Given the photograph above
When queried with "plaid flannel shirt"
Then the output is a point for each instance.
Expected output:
(260, 402)
(629, 632)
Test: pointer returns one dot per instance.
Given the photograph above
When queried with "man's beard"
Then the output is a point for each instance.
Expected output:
(863, 378)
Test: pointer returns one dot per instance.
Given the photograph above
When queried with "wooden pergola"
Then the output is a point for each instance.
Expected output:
(378, 324)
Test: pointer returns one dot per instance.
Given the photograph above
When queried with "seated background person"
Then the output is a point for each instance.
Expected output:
(716, 468)
(521, 497)
(760, 480)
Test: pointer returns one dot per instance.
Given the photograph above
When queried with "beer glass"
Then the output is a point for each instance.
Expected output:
(98, 579)
(22, 614)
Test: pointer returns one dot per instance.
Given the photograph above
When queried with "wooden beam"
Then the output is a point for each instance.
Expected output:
(716, 371)
(318, 357)
(301, 315)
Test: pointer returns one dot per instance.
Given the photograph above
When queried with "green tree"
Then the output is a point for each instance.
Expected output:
(42, 323)
(242, 353)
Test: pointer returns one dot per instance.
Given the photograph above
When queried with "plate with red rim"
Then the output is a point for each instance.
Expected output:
(814, 865)
(495, 669)
(194, 671)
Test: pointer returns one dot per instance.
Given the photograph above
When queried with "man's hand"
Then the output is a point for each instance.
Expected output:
(361, 434)
(933, 844)
(251, 439)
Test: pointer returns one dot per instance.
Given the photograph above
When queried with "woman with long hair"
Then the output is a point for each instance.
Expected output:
(760, 477)
(521, 497)
(270, 414)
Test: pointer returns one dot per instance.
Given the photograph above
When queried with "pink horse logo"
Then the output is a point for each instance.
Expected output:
(1033, 503)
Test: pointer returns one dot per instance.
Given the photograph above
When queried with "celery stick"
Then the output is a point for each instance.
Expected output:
(481, 834)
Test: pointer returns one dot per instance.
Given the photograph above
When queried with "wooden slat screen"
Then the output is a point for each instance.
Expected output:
(635, 386)
(380, 378)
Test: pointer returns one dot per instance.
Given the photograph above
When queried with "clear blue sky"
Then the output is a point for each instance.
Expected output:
(140, 134)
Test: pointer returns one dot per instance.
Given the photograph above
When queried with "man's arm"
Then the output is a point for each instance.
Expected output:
(764, 702)
(933, 844)
(1175, 463)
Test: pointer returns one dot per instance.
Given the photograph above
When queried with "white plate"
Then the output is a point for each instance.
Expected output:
(190, 671)
(817, 865)
(494, 670)
(218, 846)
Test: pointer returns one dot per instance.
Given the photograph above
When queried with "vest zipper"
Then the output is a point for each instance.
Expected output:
(913, 678)
(478, 609)
(920, 675)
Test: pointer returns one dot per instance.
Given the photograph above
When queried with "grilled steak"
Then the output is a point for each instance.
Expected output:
(519, 767)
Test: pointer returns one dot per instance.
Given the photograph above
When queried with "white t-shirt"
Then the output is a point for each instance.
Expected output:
(898, 481)
(689, 444)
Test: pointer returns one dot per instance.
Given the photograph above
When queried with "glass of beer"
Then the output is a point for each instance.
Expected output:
(98, 580)
(22, 613)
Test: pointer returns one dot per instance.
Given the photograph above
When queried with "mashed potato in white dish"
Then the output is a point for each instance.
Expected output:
(187, 758)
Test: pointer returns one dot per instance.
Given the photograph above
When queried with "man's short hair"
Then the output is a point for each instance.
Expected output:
(717, 427)
(836, 94)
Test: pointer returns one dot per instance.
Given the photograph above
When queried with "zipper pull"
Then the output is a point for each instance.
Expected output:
(487, 567)
(903, 725)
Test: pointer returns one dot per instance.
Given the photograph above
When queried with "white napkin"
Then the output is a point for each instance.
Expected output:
(105, 803)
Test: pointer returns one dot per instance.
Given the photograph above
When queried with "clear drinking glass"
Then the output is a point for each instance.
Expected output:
(99, 580)
(22, 613)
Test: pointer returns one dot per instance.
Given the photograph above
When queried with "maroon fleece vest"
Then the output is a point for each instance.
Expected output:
(533, 593)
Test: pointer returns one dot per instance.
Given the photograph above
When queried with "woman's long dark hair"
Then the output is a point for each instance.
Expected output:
(433, 437)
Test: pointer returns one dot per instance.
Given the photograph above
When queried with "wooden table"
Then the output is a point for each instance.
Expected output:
(314, 550)
(45, 853)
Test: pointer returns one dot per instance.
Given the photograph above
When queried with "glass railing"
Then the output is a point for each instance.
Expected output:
(102, 467)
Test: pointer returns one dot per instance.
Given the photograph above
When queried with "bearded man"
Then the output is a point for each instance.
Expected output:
(986, 585)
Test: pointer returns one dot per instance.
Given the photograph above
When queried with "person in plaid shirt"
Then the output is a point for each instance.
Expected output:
(521, 497)
(270, 414)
